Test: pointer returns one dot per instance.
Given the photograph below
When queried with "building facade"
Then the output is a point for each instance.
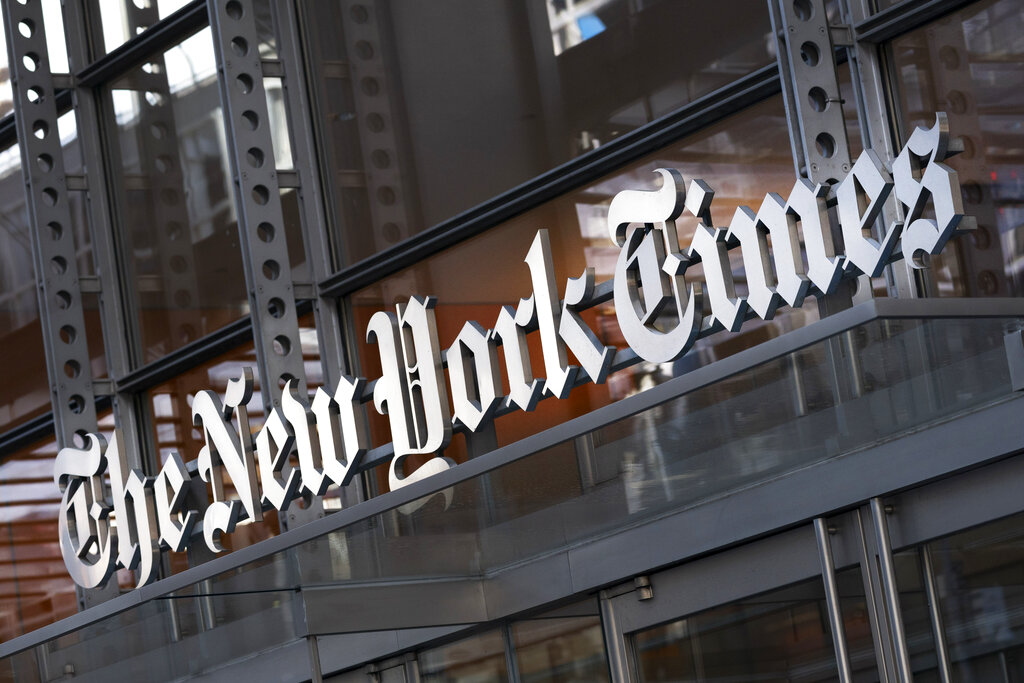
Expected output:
(827, 491)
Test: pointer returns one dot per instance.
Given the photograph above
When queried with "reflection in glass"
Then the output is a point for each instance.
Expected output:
(181, 232)
(742, 158)
(479, 659)
(568, 650)
(428, 114)
(979, 575)
(35, 588)
(23, 373)
(970, 65)
(778, 636)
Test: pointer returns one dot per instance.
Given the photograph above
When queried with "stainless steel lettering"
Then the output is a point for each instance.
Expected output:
(560, 375)
(658, 316)
(473, 371)
(411, 390)
(174, 520)
(83, 525)
(134, 510)
(918, 175)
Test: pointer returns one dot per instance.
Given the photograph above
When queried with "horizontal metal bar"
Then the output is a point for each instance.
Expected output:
(162, 35)
(230, 336)
(739, 95)
(903, 18)
(28, 432)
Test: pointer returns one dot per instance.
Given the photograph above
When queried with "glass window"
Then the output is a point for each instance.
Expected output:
(6, 94)
(35, 588)
(742, 158)
(427, 114)
(970, 65)
(979, 579)
(479, 659)
(782, 635)
(560, 650)
(181, 234)
(26, 391)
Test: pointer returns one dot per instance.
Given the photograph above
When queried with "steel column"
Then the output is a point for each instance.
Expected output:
(835, 616)
(315, 226)
(890, 591)
(53, 246)
(935, 610)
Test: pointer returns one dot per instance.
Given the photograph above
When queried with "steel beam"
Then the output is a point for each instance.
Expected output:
(315, 226)
(261, 224)
(61, 313)
(806, 58)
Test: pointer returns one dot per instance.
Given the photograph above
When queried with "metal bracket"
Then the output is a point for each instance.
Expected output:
(841, 35)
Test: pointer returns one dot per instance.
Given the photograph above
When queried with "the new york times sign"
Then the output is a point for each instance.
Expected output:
(659, 310)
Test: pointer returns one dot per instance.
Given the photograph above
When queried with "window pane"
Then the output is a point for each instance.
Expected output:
(429, 113)
(23, 374)
(560, 650)
(35, 588)
(181, 229)
(970, 65)
(979, 575)
(779, 636)
(480, 659)
(742, 158)
(124, 19)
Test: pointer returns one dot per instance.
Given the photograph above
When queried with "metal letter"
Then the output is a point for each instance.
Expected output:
(761, 296)
(86, 538)
(649, 273)
(772, 217)
(136, 523)
(273, 445)
(343, 439)
(560, 375)
(523, 390)
(174, 521)
(411, 390)
(861, 196)
(919, 175)
(476, 387)
(595, 357)
(709, 246)
(227, 447)
(296, 412)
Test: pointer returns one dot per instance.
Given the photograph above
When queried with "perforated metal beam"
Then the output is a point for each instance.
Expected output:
(258, 197)
(315, 228)
(53, 245)
(811, 88)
